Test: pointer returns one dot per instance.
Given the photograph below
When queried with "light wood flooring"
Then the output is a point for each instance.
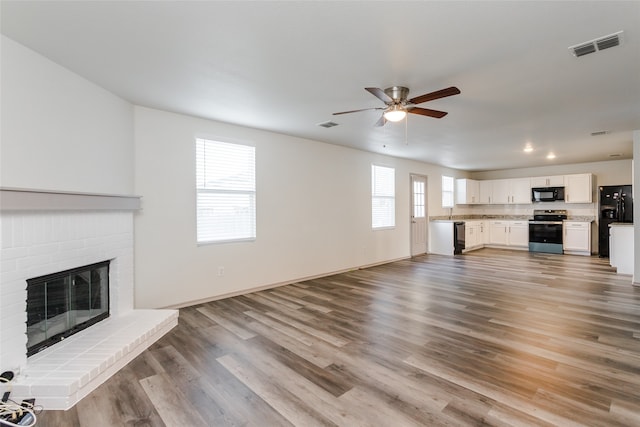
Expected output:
(490, 338)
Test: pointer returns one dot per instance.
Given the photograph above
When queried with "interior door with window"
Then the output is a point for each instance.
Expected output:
(418, 215)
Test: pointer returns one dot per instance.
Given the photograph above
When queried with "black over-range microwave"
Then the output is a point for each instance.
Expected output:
(547, 194)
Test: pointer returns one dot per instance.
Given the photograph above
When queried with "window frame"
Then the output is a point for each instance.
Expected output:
(451, 192)
(252, 193)
(378, 197)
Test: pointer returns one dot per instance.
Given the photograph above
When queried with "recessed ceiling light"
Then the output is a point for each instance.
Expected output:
(528, 148)
(551, 156)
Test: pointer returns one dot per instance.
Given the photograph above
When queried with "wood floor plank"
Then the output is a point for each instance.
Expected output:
(286, 403)
(312, 353)
(290, 296)
(174, 408)
(226, 323)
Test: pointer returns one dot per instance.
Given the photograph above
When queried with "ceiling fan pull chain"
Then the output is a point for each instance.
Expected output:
(406, 129)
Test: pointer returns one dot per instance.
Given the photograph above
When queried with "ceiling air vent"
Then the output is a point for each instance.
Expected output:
(607, 42)
(328, 124)
(584, 49)
(596, 45)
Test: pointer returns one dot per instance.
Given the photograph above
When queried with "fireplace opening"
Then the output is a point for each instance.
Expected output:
(64, 303)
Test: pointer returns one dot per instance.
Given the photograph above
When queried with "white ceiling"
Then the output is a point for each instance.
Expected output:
(286, 66)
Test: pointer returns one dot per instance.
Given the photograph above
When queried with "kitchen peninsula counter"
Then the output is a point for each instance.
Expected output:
(621, 247)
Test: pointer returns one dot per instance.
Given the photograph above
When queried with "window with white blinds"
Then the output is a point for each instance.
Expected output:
(226, 191)
(447, 191)
(383, 197)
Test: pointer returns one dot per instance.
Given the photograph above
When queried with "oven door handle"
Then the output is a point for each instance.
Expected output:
(546, 222)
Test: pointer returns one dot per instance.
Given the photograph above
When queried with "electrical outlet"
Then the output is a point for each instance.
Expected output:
(220, 271)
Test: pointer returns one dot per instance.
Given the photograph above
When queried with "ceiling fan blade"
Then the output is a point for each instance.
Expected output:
(442, 93)
(379, 93)
(381, 122)
(427, 112)
(356, 111)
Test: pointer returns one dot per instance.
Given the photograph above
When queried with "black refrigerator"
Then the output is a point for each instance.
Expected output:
(616, 205)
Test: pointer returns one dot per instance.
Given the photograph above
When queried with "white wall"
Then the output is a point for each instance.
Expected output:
(60, 131)
(614, 172)
(313, 211)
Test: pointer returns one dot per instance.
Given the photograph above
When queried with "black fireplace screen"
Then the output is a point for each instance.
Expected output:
(64, 303)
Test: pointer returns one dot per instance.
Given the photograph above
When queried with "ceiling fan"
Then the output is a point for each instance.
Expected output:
(397, 104)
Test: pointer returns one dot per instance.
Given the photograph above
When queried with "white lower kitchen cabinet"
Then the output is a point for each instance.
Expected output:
(511, 233)
(519, 234)
(498, 233)
(577, 238)
(474, 235)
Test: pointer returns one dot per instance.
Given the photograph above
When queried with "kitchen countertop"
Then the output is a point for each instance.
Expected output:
(479, 217)
(580, 218)
(621, 224)
(447, 218)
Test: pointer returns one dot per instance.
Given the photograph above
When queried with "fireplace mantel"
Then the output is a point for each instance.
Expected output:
(18, 199)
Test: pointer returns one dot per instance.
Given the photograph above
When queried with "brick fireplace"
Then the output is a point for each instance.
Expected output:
(45, 232)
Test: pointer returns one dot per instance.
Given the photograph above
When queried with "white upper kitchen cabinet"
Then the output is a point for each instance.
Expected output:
(520, 191)
(578, 188)
(501, 195)
(467, 192)
(547, 181)
(486, 192)
(512, 191)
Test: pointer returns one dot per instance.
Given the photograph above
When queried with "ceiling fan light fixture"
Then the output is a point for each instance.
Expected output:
(395, 113)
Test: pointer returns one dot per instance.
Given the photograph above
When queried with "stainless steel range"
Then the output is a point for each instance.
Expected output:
(545, 231)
